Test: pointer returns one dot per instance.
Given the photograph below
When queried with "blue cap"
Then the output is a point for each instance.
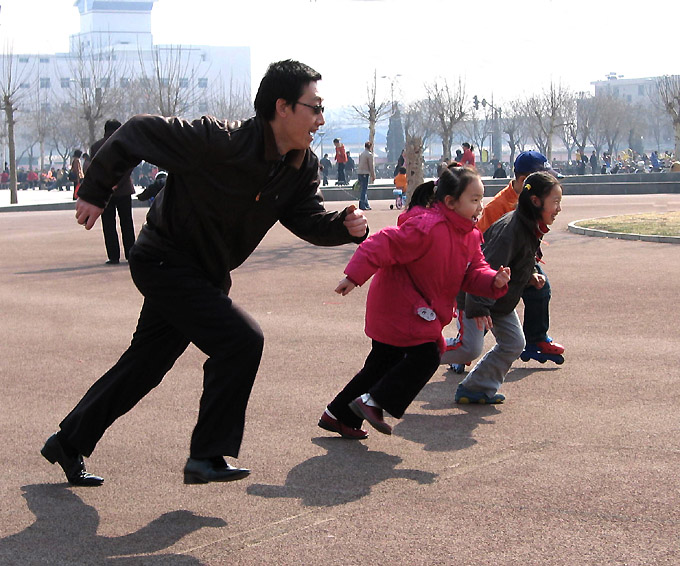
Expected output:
(530, 162)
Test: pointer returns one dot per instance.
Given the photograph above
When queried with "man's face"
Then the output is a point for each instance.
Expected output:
(302, 122)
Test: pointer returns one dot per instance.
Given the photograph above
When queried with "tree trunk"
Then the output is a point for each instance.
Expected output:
(413, 157)
(9, 113)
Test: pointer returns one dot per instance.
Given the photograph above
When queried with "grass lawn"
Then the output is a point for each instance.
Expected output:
(652, 224)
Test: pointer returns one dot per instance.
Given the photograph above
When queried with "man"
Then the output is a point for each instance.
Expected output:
(365, 170)
(594, 162)
(226, 188)
(536, 296)
(121, 201)
(326, 167)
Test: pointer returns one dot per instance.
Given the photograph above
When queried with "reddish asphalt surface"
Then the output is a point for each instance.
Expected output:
(579, 466)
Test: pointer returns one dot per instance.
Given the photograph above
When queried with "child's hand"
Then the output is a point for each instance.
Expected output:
(483, 323)
(537, 280)
(344, 287)
(502, 278)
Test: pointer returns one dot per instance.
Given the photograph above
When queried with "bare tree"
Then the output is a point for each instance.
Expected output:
(14, 82)
(230, 101)
(613, 121)
(95, 91)
(546, 113)
(514, 124)
(65, 133)
(38, 117)
(173, 82)
(418, 127)
(567, 130)
(447, 108)
(372, 111)
(669, 93)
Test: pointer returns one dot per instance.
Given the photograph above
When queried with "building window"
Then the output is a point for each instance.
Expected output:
(165, 82)
(44, 59)
(23, 59)
(616, 91)
(203, 83)
(641, 90)
(65, 82)
(44, 82)
(629, 98)
(124, 82)
(184, 83)
(202, 106)
(46, 107)
(25, 85)
(105, 82)
(85, 83)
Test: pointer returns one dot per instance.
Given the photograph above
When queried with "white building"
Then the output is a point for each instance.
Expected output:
(634, 91)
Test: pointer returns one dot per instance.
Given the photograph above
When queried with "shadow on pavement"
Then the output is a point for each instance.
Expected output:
(445, 433)
(65, 532)
(101, 266)
(346, 473)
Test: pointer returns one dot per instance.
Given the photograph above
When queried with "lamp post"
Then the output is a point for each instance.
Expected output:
(496, 141)
(392, 79)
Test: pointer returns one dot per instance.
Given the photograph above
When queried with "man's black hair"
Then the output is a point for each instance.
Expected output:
(111, 126)
(284, 79)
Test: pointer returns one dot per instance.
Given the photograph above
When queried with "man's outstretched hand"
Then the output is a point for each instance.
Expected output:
(87, 214)
(355, 222)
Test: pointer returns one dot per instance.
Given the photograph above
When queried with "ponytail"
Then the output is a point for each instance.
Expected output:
(423, 195)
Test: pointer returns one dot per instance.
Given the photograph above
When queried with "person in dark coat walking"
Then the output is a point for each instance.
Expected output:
(120, 202)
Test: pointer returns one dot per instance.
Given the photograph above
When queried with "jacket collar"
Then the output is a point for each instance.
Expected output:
(294, 157)
(459, 222)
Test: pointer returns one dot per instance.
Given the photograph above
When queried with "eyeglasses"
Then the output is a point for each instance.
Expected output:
(317, 108)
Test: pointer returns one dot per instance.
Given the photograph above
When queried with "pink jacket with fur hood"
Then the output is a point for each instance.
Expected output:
(425, 261)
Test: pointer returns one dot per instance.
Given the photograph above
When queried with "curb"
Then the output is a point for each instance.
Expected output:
(574, 229)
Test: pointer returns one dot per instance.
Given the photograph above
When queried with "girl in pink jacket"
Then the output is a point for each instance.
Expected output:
(419, 267)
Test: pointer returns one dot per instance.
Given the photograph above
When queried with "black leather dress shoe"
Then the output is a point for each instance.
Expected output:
(199, 470)
(73, 466)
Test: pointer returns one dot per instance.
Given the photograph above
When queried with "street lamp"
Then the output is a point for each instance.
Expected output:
(392, 79)
(496, 141)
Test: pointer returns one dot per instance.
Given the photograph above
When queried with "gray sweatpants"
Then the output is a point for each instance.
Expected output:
(488, 374)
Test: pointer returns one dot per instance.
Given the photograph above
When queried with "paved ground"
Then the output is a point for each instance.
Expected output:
(580, 466)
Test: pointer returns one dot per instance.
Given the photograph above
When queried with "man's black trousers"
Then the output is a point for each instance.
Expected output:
(180, 307)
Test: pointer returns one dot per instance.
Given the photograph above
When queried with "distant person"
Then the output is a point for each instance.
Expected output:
(349, 169)
(120, 203)
(366, 172)
(326, 167)
(341, 160)
(401, 160)
(151, 192)
(654, 159)
(468, 157)
(227, 186)
(418, 268)
(594, 162)
(76, 173)
(499, 172)
(401, 183)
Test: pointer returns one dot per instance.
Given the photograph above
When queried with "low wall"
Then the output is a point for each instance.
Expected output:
(628, 184)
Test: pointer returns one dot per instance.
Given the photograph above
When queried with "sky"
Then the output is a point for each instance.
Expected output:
(499, 48)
